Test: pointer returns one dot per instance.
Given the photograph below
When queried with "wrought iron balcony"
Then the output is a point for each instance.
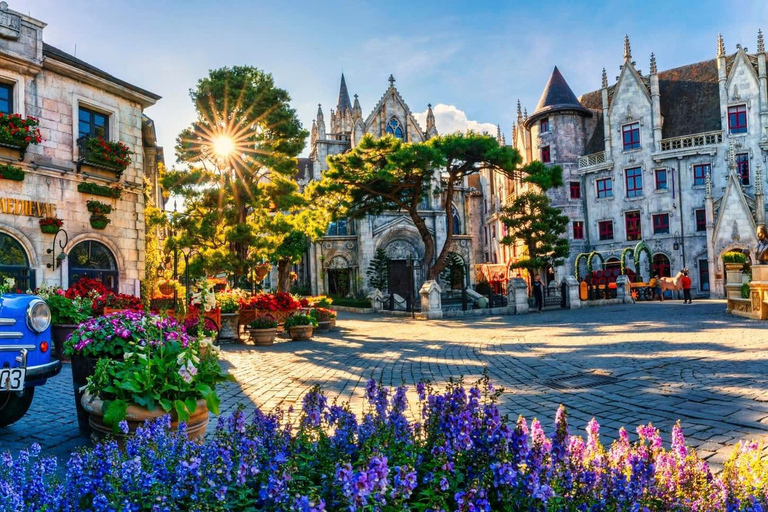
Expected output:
(87, 157)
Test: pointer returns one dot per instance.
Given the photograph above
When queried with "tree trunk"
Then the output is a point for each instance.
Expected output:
(426, 237)
(284, 275)
(442, 259)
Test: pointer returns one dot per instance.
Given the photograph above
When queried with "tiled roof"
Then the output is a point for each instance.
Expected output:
(557, 96)
(690, 99)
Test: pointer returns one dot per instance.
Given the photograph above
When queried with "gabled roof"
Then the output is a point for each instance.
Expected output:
(557, 96)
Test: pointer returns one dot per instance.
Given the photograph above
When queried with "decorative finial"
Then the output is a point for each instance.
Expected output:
(627, 49)
(525, 113)
(759, 180)
(605, 79)
(653, 64)
(732, 155)
(519, 110)
(429, 106)
(391, 80)
(498, 133)
(760, 41)
(708, 185)
(720, 46)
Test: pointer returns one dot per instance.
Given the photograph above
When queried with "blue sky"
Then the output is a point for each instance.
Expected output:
(476, 56)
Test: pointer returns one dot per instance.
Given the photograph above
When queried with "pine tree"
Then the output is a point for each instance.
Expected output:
(378, 270)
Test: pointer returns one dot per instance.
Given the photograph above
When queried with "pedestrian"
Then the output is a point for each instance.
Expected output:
(538, 292)
(685, 281)
(655, 283)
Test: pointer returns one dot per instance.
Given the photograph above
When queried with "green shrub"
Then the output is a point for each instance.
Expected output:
(100, 190)
(745, 291)
(11, 172)
(300, 320)
(734, 257)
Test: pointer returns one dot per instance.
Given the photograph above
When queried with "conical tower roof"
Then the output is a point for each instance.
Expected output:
(343, 103)
(557, 96)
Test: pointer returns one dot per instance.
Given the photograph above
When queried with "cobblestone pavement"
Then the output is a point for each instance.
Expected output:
(624, 365)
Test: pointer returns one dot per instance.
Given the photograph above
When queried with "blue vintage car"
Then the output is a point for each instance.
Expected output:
(25, 353)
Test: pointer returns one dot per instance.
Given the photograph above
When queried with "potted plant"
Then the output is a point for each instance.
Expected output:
(18, 133)
(229, 304)
(50, 225)
(111, 337)
(300, 326)
(105, 153)
(66, 314)
(11, 172)
(263, 330)
(323, 316)
(175, 375)
(110, 302)
(734, 260)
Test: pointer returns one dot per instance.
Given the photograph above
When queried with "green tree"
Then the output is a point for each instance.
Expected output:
(378, 270)
(532, 219)
(240, 159)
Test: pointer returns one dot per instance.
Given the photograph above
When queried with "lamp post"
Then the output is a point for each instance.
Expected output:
(57, 259)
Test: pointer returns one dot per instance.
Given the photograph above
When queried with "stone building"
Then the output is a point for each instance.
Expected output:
(671, 158)
(338, 263)
(65, 93)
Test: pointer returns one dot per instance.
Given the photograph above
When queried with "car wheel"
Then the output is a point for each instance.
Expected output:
(13, 407)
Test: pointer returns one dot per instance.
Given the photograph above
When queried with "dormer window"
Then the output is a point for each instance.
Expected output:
(544, 125)
(631, 136)
(395, 128)
(737, 119)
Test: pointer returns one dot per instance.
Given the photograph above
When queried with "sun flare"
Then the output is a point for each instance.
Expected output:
(223, 146)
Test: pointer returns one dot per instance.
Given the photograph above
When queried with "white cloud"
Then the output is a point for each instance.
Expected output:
(449, 119)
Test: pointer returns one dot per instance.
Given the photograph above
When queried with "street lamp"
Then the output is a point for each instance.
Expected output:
(57, 260)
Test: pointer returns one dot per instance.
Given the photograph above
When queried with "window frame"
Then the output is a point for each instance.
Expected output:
(544, 125)
(575, 185)
(742, 168)
(92, 113)
(398, 125)
(633, 130)
(635, 232)
(735, 112)
(656, 173)
(634, 191)
(546, 155)
(701, 224)
(607, 192)
(657, 226)
(580, 232)
(11, 87)
(601, 231)
(700, 181)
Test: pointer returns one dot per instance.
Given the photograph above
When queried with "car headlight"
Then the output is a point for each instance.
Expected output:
(38, 315)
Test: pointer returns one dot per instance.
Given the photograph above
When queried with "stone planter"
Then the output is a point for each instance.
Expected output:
(300, 332)
(49, 229)
(229, 328)
(60, 333)
(263, 337)
(323, 326)
(137, 415)
(82, 368)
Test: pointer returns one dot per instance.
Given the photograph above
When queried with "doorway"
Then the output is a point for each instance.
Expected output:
(398, 278)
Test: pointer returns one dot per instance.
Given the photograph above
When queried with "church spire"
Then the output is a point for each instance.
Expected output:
(627, 49)
(343, 103)
(430, 118)
(720, 46)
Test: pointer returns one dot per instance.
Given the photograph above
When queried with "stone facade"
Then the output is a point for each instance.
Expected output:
(682, 151)
(51, 85)
(338, 262)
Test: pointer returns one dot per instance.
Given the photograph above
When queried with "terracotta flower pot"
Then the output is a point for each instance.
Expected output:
(229, 327)
(263, 337)
(60, 333)
(166, 289)
(300, 332)
(323, 326)
(137, 415)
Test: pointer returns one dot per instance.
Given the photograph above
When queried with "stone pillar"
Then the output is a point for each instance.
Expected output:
(758, 292)
(377, 300)
(733, 280)
(572, 300)
(623, 289)
(517, 295)
(431, 306)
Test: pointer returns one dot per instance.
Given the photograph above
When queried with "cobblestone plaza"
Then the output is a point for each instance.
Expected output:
(624, 365)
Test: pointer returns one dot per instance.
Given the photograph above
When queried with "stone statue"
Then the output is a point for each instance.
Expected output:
(761, 254)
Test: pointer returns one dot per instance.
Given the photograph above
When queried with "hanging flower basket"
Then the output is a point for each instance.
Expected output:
(99, 221)
(104, 154)
(50, 225)
(18, 133)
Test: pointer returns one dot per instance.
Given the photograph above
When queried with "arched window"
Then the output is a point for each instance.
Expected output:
(94, 260)
(661, 265)
(15, 264)
(395, 128)
(612, 267)
(456, 222)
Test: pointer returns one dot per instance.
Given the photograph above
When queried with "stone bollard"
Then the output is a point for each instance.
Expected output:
(377, 300)
(623, 289)
(431, 305)
(517, 295)
(572, 299)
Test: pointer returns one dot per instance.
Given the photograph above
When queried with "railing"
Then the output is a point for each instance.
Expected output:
(692, 141)
(593, 159)
(86, 156)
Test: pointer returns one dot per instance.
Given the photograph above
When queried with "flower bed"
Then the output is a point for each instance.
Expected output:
(279, 305)
(462, 455)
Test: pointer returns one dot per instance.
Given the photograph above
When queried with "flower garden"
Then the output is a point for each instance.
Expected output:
(459, 454)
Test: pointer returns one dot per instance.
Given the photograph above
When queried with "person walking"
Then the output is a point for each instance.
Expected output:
(538, 292)
(655, 283)
(685, 282)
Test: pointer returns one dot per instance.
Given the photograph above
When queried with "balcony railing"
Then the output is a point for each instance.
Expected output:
(86, 156)
(593, 159)
(692, 141)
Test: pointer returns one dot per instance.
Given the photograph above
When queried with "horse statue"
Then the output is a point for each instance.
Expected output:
(672, 284)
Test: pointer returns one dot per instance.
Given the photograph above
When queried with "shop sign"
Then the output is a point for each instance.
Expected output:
(26, 208)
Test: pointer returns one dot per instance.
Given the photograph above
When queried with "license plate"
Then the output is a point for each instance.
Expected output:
(12, 379)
